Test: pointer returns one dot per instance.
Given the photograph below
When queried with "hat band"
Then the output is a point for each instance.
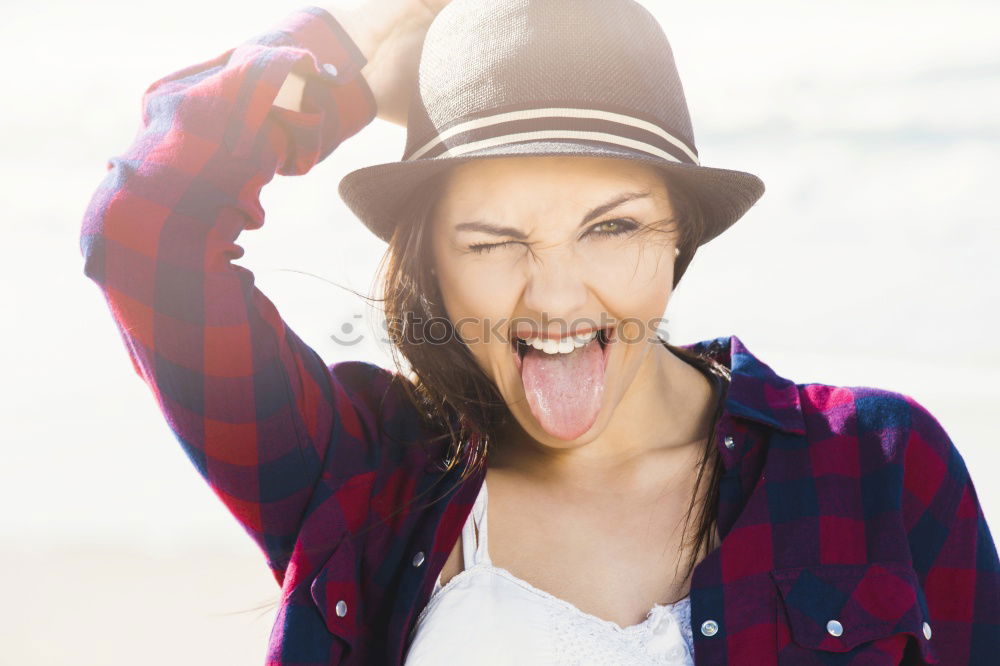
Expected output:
(556, 123)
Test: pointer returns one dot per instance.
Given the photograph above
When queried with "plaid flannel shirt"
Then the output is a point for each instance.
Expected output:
(837, 503)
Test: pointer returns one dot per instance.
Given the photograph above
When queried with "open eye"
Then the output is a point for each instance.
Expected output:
(615, 227)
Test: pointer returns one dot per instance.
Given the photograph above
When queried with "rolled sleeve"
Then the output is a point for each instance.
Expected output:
(337, 101)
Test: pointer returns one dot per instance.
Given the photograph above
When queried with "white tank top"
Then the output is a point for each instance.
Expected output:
(486, 615)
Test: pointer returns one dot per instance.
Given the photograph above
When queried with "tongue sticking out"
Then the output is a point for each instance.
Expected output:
(564, 390)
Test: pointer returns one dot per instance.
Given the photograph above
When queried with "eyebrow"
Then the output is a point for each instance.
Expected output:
(499, 230)
(612, 204)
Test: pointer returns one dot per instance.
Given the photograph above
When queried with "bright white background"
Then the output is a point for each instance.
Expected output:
(871, 260)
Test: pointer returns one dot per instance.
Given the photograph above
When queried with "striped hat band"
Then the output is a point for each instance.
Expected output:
(546, 77)
(555, 123)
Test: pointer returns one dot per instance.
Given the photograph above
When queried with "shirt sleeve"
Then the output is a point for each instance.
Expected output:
(252, 405)
(952, 548)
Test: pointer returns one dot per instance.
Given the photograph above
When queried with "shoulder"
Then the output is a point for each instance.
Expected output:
(371, 390)
(361, 376)
(359, 385)
(880, 424)
(886, 426)
(376, 402)
(866, 411)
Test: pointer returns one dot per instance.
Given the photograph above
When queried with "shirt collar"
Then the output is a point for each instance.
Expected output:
(756, 393)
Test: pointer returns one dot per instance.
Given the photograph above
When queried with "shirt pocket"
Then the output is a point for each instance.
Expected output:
(870, 614)
(335, 591)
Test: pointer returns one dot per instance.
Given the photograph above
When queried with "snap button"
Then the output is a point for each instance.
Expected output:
(729, 442)
(330, 69)
(341, 608)
(834, 628)
(927, 631)
(709, 628)
(418, 559)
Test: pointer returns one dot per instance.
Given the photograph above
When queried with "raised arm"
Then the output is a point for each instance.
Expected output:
(252, 405)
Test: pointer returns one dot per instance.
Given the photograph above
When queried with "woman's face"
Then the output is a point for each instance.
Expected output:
(555, 251)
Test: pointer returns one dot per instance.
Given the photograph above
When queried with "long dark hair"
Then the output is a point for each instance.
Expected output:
(453, 394)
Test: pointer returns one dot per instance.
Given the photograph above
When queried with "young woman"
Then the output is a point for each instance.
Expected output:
(647, 502)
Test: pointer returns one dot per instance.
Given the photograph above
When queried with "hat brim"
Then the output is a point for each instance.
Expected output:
(378, 194)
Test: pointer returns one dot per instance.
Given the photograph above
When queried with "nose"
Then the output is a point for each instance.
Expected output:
(555, 286)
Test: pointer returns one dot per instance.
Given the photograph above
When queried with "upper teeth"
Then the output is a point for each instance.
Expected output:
(563, 346)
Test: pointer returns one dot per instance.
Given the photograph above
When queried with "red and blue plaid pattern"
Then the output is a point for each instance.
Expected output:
(838, 504)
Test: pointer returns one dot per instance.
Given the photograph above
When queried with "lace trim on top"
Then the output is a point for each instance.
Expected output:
(663, 637)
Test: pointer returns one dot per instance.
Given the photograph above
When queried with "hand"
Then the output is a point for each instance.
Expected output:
(390, 34)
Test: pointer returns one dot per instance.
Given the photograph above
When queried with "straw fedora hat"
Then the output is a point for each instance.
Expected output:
(548, 77)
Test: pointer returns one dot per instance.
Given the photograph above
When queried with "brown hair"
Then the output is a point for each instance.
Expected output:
(455, 396)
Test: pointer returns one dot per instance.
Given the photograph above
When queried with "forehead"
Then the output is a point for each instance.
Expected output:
(527, 180)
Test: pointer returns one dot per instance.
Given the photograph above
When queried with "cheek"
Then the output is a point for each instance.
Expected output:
(629, 262)
(633, 279)
(480, 301)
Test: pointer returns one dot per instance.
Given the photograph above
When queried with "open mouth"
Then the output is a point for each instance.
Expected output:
(567, 345)
(564, 377)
